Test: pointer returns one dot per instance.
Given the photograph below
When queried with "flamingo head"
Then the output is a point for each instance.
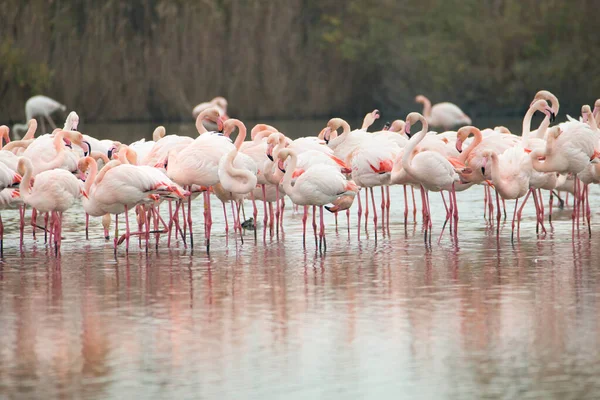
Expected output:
(585, 113)
(542, 106)
(386, 126)
(597, 106)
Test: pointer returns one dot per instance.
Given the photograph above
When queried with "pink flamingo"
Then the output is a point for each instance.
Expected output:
(444, 114)
(318, 185)
(54, 192)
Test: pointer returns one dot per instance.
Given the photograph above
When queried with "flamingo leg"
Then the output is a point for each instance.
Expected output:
(127, 231)
(266, 216)
(520, 212)
(366, 210)
(405, 207)
(46, 228)
(254, 212)
(189, 219)
(512, 235)
(235, 223)
(33, 221)
(271, 218)
(209, 224)
(388, 205)
(322, 240)
(588, 210)
(359, 213)
(550, 210)
(314, 223)
(87, 225)
(1, 237)
(116, 238)
(412, 189)
(225, 216)
(448, 214)
(348, 221)
(485, 202)
(383, 209)
(455, 209)
(238, 206)
(304, 218)
(170, 223)
(498, 216)
(21, 225)
(282, 208)
(504, 208)
(374, 211)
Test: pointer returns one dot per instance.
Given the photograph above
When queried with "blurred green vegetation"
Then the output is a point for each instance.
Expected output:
(156, 59)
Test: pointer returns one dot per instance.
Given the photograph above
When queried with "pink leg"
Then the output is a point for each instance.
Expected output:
(588, 210)
(225, 216)
(412, 189)
(46, 227)
(304, 218)
(359, 212)
(235, 222)
(383, 209)
(314, 218)
(512, 235)
(374, 211)
(127, 231)
(282, 208)
(448, 215)
(254, 212)
(116, 238)
(189, 219)
(348, 221)
(405, 207)
(366, 211)
(520, 212)
(497, 213)
(1, 237)
(266, 216)
(271, 218)
(322, 240)
(22, 225)
(455, 208)
(387, 207)
(485, 202)
(87, 225)
(209, 225)
(34, 221)
(550, 210)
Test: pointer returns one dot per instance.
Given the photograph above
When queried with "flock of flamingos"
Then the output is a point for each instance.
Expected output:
(50, 172)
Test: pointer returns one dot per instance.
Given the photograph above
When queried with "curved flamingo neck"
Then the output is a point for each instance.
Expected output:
(232, 170)
(93, 166)
(526, 127)
(291, 167)
(477, 139)
(25, 185)
(426, 107)
(31, 128)
(592, 121)
(105, 169)
(201, 117)
(4, 135)
(412, 144)
(241, 132)
(158, 133)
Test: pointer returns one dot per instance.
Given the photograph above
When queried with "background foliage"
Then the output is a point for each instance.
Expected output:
(155, 59)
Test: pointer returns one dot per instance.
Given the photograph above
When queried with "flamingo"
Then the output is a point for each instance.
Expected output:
(432, 170)
(197, 164)
(569, 149)
(444, 114)
(10, 199)
(54, 192)
(39, 106)
(318, 185)
(218, 102)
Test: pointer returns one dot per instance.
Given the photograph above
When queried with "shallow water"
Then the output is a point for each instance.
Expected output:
(267, 319)
(390, 318)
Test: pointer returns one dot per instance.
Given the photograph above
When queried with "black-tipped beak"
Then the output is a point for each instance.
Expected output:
(270, 157)
(387, 126)
(552, 117)
(483, 171)
(89, 148)
(110, 153)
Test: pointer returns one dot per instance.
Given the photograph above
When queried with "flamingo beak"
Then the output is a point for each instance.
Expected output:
(459, 144)
(17, 179)
(270, 152)
(407, 129)
(220, 124)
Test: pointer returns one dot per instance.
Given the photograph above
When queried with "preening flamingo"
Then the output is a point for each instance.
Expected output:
(218, 102)
(432, 170)
(317, 186)
(54, 192)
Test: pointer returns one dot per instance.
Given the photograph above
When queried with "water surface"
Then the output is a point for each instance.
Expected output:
(392, 318)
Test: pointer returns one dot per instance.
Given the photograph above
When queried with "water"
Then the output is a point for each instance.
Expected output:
(267, 319)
